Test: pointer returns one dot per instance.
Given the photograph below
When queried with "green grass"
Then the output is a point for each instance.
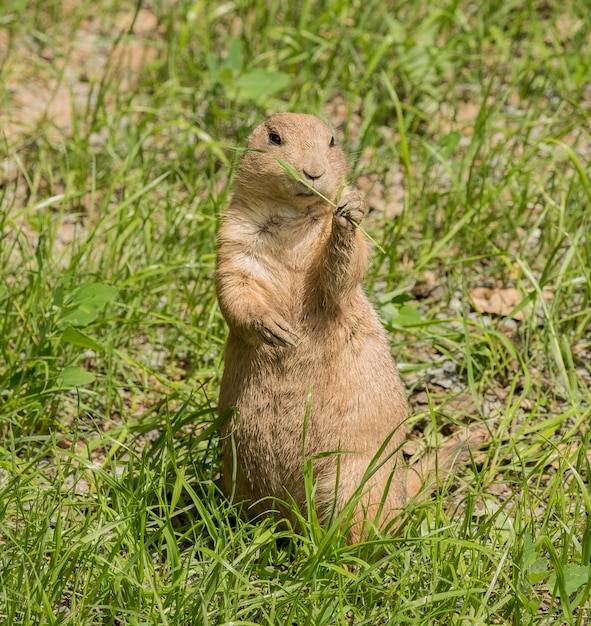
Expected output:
(111, 340)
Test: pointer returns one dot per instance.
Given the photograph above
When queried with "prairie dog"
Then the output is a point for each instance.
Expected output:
(288, 276)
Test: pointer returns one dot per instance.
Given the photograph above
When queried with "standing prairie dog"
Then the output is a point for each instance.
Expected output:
(304, 339)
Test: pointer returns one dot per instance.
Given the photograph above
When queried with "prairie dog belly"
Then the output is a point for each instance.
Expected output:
(350, 399)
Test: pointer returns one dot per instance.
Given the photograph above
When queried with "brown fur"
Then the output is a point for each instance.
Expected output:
(288, 273)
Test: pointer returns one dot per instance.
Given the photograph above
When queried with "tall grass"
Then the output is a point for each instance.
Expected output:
(117, 127)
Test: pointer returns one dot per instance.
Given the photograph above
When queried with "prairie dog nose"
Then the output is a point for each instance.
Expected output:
(314, 166)
(313, 173)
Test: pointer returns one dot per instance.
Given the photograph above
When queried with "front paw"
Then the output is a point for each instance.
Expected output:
(351, 208)
(276, 332)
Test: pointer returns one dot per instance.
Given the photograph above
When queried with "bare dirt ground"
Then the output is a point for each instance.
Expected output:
(52, 79)
(55, 79)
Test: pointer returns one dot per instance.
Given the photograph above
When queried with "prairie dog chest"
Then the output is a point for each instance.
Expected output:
(280, 246)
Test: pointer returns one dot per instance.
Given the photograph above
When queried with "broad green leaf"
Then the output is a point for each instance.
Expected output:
(448, 144)
(73, 376)
(87, 300)
(76, 338)
(408, 316)
(538, 570)
(397, 297)
(94, 293)
(258, 84)
(404, 315)
(401, 298)
(575, 576)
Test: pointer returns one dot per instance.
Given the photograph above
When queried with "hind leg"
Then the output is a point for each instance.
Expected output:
(382, 501)
(377, 496)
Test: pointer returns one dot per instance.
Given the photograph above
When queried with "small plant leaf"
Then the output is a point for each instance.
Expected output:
(94, 293)
(448, 144)
(538, 570)
(395, 297)
(72, 376)
(404, 315)
(75, 337)
(87, 300)
(258, 84)
(575, 576)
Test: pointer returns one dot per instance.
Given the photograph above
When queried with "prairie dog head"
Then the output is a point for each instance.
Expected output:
(304, 143)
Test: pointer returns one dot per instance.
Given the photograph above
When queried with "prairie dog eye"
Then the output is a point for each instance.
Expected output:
(332, 143)
(275, 138)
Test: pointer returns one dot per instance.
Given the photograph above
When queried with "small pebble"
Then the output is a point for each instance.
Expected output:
(450, 368)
